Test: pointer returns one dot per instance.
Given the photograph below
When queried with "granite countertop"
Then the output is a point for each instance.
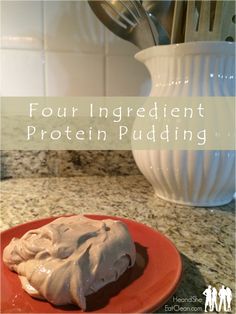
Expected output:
(204, 236)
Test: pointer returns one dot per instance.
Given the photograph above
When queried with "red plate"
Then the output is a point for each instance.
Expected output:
(143, 288)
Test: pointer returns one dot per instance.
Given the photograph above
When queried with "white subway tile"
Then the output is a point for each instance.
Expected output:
(126, 77)
(22, 24)
(118, 46)
(72, 26)
(74, 74)
(22, 73)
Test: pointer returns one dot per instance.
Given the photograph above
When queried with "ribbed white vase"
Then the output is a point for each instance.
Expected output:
(197, 178)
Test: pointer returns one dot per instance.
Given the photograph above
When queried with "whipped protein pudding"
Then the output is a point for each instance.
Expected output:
(70, 258)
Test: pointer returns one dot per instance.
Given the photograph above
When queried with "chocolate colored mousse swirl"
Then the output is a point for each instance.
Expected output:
(70, 258)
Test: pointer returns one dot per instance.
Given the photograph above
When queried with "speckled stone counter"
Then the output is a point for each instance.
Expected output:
(55, 163)
(204, 236)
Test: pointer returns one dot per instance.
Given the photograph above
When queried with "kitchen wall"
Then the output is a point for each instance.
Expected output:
(59, 48)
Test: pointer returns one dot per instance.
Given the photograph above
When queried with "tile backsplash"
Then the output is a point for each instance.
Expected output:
(59, 48)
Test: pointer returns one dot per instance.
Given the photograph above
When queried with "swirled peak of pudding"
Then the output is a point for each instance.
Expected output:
(70, 258)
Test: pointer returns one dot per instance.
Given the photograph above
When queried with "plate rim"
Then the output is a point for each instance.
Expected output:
(178, 277)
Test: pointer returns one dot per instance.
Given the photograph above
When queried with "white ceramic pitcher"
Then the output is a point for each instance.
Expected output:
(197, 178)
